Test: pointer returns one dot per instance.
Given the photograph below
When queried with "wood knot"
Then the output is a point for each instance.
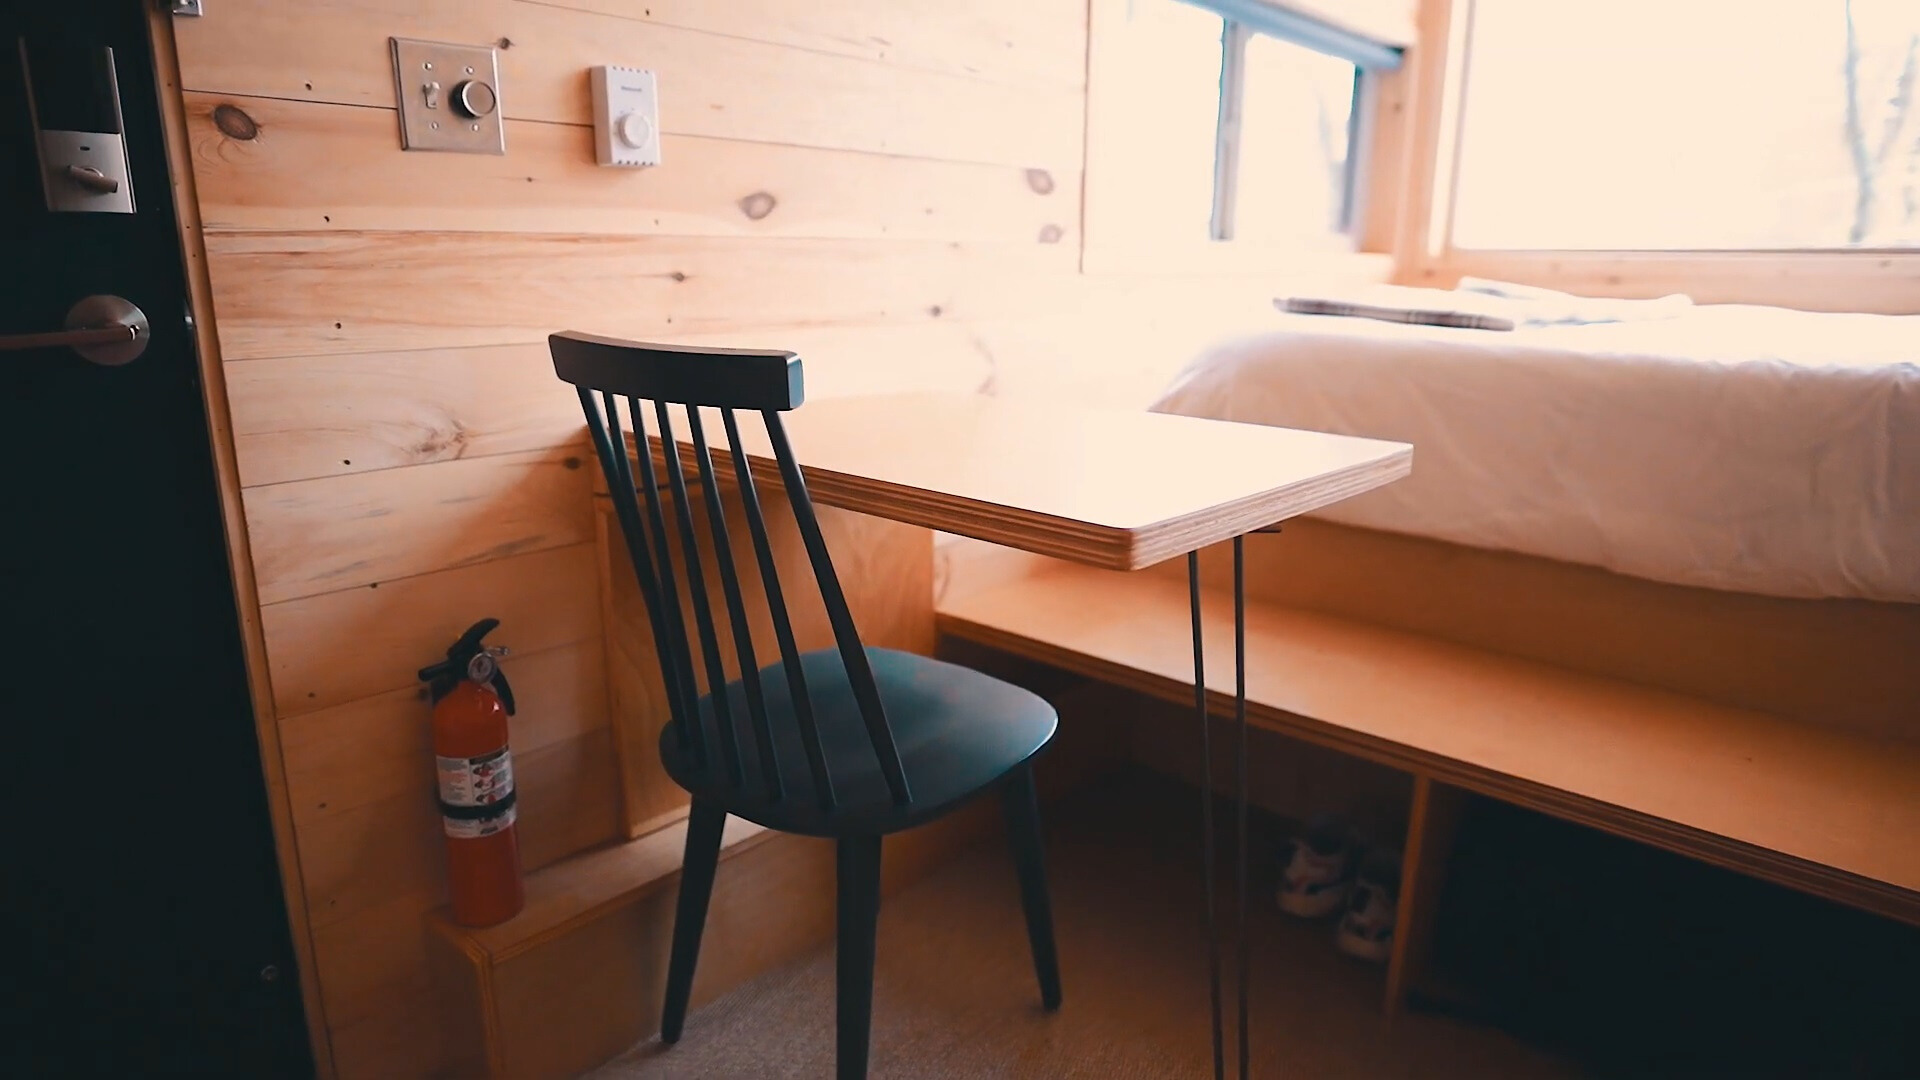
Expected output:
(571, 462)
(678, 275)
(234, 123)
(1040, 180)
(506, 43)
(758, 205)
(936, 311)
(1051, 234)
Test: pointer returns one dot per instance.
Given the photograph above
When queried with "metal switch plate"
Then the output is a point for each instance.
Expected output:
(449, 97)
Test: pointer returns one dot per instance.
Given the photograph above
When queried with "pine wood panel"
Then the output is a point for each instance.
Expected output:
(344, 646)
(297, 418)
(374, 960)
(943, 354)
(308, 416)
(571, 801)
(381, 747)
(318, 166)
(1011, 40)
(315, 536)
(336, 51)
(1061, 481)
(1828, 812)
(286, 294)
(359, 858)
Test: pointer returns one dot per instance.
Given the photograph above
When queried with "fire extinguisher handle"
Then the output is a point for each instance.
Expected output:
(499, 684)
(469, 642)
(443, 676)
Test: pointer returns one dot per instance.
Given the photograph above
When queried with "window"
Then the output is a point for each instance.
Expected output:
(1689, 125)
(1255, 110)
(1293, 146)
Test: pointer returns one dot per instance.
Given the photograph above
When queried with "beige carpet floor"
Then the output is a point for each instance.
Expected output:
(955, 994)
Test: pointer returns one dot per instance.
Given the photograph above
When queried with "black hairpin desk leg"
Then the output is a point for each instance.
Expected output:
(1240, 784)
(1206, 814)
(1241, 883)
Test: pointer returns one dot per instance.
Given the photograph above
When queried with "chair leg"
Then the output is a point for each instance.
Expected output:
(1022, 808)
(857, 862)
(704, 825)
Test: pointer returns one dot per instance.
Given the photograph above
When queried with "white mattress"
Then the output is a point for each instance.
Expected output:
(1747, 449)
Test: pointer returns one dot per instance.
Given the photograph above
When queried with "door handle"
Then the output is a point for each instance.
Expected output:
(107, 330)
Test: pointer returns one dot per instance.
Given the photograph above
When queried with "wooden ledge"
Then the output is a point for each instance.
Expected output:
(573, 979)
(577, 977)
(1821, 810)
(589, 885)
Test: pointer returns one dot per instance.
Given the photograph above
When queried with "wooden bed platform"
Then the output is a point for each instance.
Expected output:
(1828, 809)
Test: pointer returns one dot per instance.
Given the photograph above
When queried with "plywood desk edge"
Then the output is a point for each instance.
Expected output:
(1109, 547)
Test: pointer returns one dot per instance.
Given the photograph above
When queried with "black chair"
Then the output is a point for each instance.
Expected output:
(850, 743)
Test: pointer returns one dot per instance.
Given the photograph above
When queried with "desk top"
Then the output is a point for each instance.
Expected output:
(1120, 490)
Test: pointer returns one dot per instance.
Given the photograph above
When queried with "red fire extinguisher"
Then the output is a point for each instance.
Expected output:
(471, 703)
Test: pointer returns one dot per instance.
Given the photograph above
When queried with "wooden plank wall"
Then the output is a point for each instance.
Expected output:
(877, 183)
(891, 187)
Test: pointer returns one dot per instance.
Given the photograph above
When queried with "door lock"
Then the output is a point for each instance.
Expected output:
(73, 98)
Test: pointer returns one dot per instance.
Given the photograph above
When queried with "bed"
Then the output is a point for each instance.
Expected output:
(1746, 449)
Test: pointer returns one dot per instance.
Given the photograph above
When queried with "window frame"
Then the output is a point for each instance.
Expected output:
(1882, 280)
(1240, 20)
(1114, 201)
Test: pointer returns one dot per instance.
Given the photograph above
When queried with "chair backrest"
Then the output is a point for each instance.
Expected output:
(606, 371)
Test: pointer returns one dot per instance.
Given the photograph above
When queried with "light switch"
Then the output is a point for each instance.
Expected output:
(626, 116)
(449, 97)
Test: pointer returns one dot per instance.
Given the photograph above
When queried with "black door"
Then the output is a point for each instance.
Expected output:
(146, 933)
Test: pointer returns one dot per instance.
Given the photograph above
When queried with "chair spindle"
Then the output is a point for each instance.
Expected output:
(676, 652)
(782, 625)
(859, 672)
(612, 450)
(736, 609)
(702, 612)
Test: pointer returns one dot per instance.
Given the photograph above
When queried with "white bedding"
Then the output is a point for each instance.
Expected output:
(1749, 449)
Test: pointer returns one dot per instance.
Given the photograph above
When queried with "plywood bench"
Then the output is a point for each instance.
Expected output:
(1828, 811)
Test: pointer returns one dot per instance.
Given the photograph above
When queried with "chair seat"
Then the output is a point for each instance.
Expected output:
(959, 732)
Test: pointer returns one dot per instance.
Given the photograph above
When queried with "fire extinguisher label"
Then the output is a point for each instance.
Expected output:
(476, 781)
(474, 828)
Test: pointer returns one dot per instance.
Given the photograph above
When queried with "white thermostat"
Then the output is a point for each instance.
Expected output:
(626, 116)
